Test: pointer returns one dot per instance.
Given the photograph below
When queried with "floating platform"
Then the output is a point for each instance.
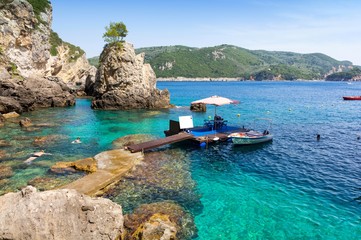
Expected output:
(175, 134)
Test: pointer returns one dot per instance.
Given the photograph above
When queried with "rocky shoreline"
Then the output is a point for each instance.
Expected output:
(35, 73)
(68, 213)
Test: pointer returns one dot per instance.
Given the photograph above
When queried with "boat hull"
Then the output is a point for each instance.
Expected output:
(352, 98)
(249, 139)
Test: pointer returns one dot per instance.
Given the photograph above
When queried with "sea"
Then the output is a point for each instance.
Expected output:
(295, 187)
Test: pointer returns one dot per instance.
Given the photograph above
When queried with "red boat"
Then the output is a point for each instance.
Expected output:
(352, 98)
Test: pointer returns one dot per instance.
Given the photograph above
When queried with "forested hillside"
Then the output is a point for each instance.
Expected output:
(226, 61)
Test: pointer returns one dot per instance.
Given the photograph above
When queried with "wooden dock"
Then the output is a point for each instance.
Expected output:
(159, 142)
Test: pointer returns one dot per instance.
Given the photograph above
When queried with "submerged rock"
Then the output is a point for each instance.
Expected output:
(5, 172)
(4, 143)
(2, 154)
(11, 115)
(26, 122)
(2, 120)
(41, 141)
(87, 165)
(161, 176)
(45, 183)
(123, 81)
(58, 214)
(161, 220)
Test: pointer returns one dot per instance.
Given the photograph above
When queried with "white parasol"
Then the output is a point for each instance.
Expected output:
(216, 101)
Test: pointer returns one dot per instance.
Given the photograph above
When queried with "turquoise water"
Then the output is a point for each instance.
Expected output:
(292, 188)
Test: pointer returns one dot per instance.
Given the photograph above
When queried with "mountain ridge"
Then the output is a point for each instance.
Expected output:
(229, 61)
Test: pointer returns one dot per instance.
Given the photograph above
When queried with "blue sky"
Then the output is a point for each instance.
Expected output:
(332, 27)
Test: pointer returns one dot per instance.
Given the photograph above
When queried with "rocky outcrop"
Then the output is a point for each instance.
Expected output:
(87, 164)
(28, 94)
(58, 214)
(27, 69)
(161, 220)
(70, 69)
(24, 39)
(198, 107)
(123, 81)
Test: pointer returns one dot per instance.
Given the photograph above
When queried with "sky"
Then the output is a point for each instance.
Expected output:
(332, 27)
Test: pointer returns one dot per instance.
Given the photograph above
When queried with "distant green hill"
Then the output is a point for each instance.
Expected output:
(226, 61)
(94, 61)
(349, 75)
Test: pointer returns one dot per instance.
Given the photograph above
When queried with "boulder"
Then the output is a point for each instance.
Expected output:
(26, 122)
(11, 115)
(157, 227)
(161, 220)
(31, 93)
(123, 81)
(198, 107)
(58, 214)
(9, 104)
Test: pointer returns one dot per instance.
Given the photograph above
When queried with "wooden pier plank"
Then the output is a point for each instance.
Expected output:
(160, 142)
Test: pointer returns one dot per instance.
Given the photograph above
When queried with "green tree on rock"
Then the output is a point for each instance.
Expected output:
(115, 33)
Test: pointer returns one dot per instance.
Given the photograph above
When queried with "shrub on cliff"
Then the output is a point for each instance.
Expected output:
(39, 6)
(74, 51)
(115, 33)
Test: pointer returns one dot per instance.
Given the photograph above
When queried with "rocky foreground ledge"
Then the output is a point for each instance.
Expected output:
(67, 214)
(58, 214)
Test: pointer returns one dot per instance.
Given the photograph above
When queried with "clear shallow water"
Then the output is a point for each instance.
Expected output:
(293, 188)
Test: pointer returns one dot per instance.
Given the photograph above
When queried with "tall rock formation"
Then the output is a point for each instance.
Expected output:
(24, 39)
(123, 81)
(30, 76)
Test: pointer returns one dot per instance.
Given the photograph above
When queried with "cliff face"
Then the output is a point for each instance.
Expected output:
(72, 72)
(25, 40)
(29, 76)
(123, 81)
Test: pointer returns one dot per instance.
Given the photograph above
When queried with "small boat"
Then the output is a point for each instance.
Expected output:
(352, 98)
(251, 137)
